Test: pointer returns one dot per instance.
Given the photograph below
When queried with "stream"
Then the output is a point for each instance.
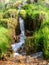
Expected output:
(17, 46)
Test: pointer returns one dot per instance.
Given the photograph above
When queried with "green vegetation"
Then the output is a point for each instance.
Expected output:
(36, 21)
(34, 14)
(10, 12)
(8, 24)
(5, 41)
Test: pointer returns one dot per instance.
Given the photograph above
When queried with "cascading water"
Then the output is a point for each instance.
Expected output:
(16, 46)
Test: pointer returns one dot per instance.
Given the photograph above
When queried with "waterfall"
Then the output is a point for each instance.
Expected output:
(16, 46)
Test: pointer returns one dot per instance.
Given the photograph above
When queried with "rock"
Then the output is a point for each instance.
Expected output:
(37, 55)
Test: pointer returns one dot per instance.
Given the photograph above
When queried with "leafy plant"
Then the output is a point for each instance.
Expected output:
(5, 41)
(23, 14)
(10, 13)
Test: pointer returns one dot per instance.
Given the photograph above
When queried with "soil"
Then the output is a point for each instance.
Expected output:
(24, 60)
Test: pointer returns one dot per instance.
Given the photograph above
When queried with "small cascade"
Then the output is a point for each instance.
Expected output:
(16, 46)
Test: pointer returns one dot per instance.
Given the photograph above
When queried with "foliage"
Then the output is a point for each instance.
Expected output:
(5, 41)
(4, 23)
(34, 44)
(45, 32)
(36, 19)
(23, 13)
(2, 6)
(10, 13)
(38, 42)
(1, 15)
(40, 38)
(33, 15)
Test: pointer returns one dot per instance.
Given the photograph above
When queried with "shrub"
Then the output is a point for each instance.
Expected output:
(30, 45)
(5, 41)
(45, 33)
(9, 23)
(23, 14)
(4, 22)
(34, 44)
(37, 20)
(33, 15)
(1, 15)
(39, 42)
(42, 40)
(12, 25)
(10, 13)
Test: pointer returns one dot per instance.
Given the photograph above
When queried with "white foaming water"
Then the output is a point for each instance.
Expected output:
(16, 46)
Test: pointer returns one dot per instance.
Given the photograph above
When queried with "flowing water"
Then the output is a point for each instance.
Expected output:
(16, 46)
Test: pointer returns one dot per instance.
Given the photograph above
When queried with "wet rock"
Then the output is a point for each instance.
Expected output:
(37, 55)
